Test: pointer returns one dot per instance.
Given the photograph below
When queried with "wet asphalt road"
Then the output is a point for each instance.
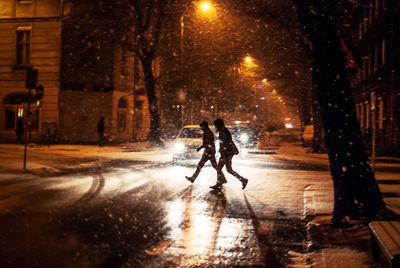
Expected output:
(141, 212)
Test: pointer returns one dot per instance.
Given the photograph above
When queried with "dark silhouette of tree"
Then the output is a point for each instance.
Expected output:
(356, 192)
(147, 22)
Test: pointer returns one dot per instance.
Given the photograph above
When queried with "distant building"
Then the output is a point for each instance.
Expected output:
(376, 84)
(99, 78)
(85, 76)
(29, 38)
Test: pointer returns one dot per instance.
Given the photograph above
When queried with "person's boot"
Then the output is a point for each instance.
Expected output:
(191, 179)
(244, 183)
(221, 179)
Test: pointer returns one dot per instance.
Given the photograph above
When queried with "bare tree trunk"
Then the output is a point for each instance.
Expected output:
(357, 194)
(154, 134)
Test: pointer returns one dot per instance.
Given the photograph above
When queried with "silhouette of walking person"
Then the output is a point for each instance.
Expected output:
(227, 150)
(100, 130)
(208, 154)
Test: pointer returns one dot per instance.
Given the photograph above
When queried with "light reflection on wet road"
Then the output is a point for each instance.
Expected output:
(203, 233)
(148, 214)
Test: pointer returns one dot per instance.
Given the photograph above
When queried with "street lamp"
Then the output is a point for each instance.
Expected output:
(205, 5)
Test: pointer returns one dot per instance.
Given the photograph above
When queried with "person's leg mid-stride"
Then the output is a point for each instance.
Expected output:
(204, 158)
(230, 170)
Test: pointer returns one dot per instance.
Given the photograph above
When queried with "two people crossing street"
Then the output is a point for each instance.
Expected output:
(227, 150)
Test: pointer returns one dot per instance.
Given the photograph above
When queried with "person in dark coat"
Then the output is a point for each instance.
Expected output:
(208, 154)
(20, 130)
(227, 150)
(100, 130)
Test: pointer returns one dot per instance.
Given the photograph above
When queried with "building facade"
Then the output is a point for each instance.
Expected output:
(85, 76)
(376, 84)
(29, 38)
(99, 78)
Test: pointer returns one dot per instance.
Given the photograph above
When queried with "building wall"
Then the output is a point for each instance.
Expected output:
(376, 31)
(75, 94)
(41, 18)
(94, 62)
(123, 113)
(79, 113)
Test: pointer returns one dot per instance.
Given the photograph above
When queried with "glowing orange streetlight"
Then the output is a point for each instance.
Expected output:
(248, 59)
(205, 6)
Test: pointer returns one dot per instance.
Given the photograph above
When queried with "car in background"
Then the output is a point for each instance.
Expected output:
(188, 139)
(307, 135)
(244, 136)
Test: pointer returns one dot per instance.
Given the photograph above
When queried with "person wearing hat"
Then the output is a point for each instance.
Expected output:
(227, 149)
(208, 154)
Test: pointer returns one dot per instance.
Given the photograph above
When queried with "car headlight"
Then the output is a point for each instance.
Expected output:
(179, 147)
(244, 137)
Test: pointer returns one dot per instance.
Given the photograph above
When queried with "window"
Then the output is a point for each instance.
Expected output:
(364, 68)
(121, 120)
(10, 119)
(380, 113)
(23, 45)
(376, 9)
(366, 115)
(122, 103)
(362, 116)
(365, 22)
(139, 114)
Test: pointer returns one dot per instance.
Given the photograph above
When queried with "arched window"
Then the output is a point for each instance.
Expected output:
(123, 103)
(122, 111)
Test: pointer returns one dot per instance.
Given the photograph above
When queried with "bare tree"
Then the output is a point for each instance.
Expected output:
(147, 22)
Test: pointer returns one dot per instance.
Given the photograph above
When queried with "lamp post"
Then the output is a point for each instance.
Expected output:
(182, 95)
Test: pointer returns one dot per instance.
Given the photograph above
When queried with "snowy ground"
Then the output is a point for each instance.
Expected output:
(84, 200)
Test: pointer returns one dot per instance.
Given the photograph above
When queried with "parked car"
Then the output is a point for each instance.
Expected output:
(244, 136)
(188, 139)
(307, 135)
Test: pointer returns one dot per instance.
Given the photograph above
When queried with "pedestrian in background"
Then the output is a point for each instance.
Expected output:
(100, 130)
(227, 150)
(208, 153)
